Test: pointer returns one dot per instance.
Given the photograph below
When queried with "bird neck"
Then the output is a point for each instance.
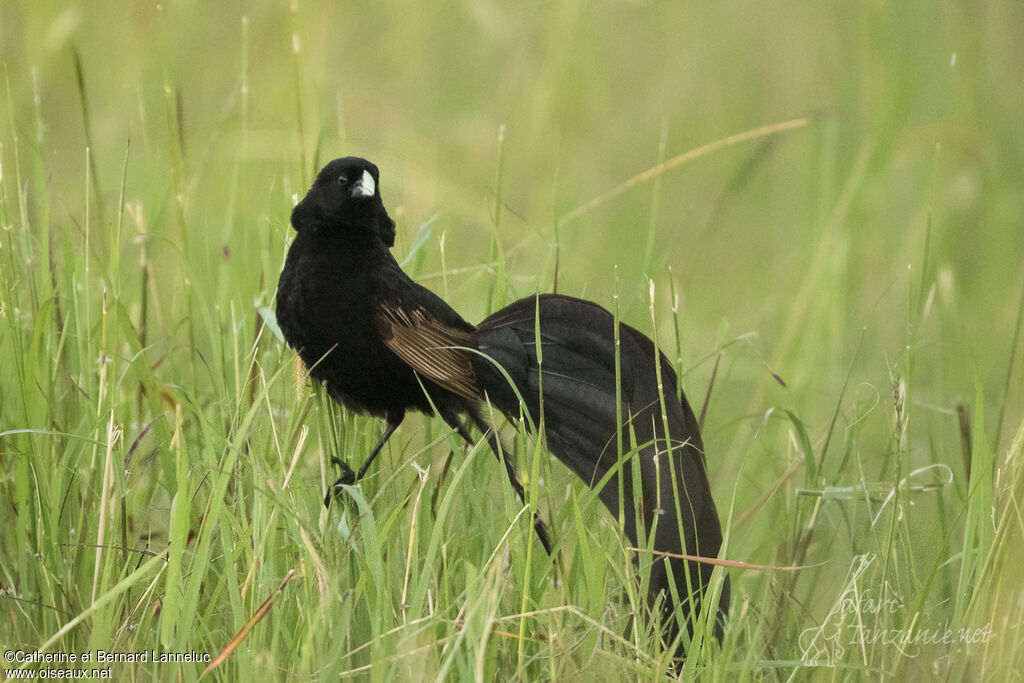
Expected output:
(348, 239)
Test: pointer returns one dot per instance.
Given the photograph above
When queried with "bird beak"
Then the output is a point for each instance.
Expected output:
(364, 187)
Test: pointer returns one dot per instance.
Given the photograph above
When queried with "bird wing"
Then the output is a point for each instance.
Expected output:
(434, 349)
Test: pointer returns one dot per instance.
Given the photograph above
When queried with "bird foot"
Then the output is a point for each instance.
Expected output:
(346, 478)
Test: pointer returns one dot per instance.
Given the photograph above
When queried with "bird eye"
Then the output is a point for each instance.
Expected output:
(342, 179)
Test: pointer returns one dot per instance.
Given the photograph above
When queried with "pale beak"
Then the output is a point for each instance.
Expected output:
(364, 187)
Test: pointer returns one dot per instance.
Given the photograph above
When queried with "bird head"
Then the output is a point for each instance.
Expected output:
(346, 196)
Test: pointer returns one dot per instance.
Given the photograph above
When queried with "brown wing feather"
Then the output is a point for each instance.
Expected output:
(431, 348)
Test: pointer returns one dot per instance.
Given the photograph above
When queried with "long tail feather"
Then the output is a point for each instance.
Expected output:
(576, 369)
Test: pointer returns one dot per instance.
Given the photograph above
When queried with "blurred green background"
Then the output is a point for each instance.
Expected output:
(913, 108)
(874, 251)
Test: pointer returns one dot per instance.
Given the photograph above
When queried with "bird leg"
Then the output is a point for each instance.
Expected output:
(348, 477)
(505, 458)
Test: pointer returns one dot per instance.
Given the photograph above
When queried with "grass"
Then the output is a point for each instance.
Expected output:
(844, 297)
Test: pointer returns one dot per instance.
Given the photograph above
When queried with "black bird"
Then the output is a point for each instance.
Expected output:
(384, 345)
(380, 343)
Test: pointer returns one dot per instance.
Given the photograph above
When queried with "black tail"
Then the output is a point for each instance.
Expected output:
(661, 443)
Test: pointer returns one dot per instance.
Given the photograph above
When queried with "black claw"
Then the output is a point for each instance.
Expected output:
(346, 478)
